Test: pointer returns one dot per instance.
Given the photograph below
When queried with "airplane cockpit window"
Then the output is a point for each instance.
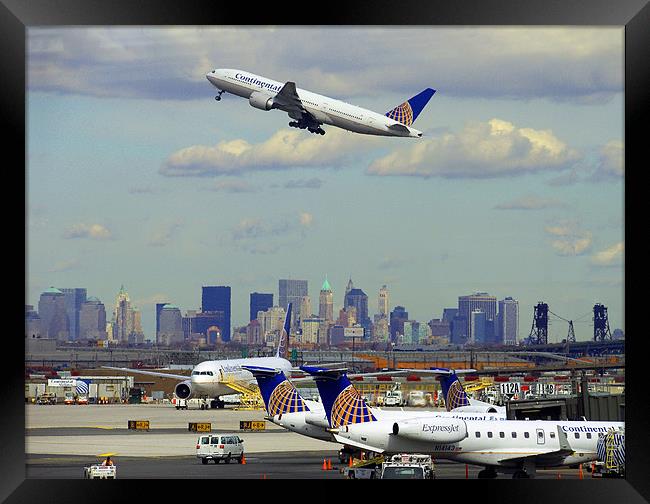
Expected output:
(209, 373)
(553, 434)
(194, 373)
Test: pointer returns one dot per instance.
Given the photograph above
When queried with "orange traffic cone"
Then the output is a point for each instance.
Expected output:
(580, 473)
(243, 459)
(558, 476)
(324, 465)
(329, 464)
(593, 468)
(350, 461)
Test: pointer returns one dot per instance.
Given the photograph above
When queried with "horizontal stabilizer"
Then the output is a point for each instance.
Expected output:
(399, 127)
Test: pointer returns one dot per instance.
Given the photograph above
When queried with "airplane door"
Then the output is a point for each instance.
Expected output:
(540, 436)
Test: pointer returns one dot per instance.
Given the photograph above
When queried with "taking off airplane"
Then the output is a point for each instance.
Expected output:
(310, 110)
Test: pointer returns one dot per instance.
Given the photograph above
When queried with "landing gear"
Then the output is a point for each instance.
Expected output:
(218, 97)
(520, 475)
(302, 125)
(487, 473)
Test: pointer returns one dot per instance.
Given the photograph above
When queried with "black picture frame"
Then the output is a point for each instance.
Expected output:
(17, 15)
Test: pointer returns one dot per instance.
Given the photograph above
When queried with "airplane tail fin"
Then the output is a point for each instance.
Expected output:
(283, 340)
(408, 112)
(453, 392)
(278, 393)
(342, 402)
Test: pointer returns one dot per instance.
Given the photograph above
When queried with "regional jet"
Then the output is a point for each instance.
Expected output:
(310, 110)
(515, 447)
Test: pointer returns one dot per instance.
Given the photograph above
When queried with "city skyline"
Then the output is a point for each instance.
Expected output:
(135, 174)
(583, 324)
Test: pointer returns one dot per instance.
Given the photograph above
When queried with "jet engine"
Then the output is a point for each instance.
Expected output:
(260, 100)
(438, 430)
(316, 419)
(183, 390)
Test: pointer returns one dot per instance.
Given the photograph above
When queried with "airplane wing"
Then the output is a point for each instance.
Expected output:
(288, 100)
(152, 373)
(550, 457)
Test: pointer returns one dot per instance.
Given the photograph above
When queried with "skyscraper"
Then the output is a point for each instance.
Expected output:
(508, 321)
(292, 291)
(383, 304)
(326, 303)
(359, 300)
(171, 326)
(259, 302)
(479, 301)
(478, 331)
(92, 320)
(33, 328)
(159, 307)
(54, 317)
(127, 323)
(217, 299)
(305, 309)
(74, 298)
(398, 316)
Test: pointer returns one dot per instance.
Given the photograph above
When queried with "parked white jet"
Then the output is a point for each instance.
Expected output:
(287, 408)
(509, 446)
(310, 110)
(212, 379)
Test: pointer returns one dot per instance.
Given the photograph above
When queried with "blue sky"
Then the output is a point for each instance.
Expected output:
(136, 176)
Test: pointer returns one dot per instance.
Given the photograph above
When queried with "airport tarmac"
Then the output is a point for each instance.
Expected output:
(60, 440)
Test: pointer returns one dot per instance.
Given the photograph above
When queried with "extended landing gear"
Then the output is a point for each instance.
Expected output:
(302, 125)
(487, 473)
(218, 97)
(520, 475)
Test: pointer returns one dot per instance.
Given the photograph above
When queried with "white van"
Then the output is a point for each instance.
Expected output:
(220, 447)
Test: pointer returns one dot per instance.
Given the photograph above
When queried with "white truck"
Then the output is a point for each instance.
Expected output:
(408, 466)
(394, 398)
(416, 398)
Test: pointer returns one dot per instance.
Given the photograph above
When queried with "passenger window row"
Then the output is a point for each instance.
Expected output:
(527, 434)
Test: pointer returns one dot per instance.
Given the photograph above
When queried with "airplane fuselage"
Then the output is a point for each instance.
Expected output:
(503, 444)
(324, 109)
(211, 378)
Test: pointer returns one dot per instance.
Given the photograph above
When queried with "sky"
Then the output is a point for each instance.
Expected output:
(137, 176)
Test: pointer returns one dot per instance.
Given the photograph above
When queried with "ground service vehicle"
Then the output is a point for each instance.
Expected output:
(69, 398)
(100, 472)
(408, 466)
(394, 398)
(46, 399)
(220, 447)
(82, 400)
(416, 398)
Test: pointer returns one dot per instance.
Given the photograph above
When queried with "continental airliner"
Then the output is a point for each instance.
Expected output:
(516, 447)
(310, 110)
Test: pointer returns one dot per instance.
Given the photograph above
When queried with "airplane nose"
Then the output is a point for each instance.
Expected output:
(210, 76)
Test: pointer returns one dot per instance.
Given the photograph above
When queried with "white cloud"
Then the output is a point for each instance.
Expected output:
(164, 235)
(65, 265)
(530, 203)
(233, 186)
(581, 63)
(611, 160)
(306, 219)
(284, 149)
(481, 150)
(570, 240)
(609, 255)
(90, 231)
